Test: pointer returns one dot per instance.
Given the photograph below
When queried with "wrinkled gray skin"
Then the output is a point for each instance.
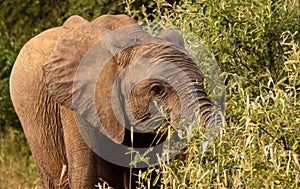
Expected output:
(41, 90)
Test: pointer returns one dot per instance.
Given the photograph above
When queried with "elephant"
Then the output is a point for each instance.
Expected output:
(101, 80)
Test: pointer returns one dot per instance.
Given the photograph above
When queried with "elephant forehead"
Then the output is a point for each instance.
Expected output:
(146, 68)
(139, 72)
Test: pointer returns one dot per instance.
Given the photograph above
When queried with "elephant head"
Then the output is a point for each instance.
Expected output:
(114, 76)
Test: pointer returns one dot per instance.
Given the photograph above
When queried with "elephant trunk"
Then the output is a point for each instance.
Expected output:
(195, 105)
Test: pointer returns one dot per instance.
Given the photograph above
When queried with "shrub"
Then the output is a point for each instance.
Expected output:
(256, 44)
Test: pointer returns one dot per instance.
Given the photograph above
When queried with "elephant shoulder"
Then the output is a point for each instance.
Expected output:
(38, 49)
(27, 74)
(27, 69)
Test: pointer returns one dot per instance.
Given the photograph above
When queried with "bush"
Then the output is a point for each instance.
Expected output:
(256, 44)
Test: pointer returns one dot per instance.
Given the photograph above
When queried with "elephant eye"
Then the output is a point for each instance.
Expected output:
(157, 89)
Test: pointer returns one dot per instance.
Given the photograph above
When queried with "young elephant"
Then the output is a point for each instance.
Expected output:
(80, 88)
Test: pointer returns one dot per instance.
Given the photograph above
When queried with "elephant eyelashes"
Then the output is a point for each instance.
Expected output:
(157, 90)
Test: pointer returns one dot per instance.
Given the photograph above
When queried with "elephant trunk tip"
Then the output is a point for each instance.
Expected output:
(214, 123)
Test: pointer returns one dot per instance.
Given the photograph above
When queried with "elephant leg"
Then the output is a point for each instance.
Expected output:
(86, 169)
(45, 138)
(38, 113)
(49, 163)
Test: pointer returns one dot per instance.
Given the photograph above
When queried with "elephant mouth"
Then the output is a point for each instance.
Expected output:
(157, 126)
(147, 125)
(156, 121)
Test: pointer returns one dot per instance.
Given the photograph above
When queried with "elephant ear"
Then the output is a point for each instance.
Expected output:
(171, 36)
(60, 69)
(71, 76)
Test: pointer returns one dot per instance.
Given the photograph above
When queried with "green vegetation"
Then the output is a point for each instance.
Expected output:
(256, 44)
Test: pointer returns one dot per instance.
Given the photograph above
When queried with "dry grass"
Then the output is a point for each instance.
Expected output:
(16, 163)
